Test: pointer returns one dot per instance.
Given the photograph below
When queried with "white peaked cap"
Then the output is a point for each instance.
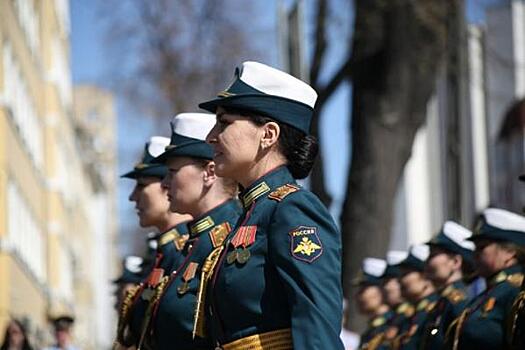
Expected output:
(420, 251)
(458, 234)
(394, 257)
(194, 125)
(157, 145)
(274, 82)
(504, 220)
(133, 263)
(374, 267)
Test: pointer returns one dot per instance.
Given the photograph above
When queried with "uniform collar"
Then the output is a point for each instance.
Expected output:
(265, 184)
(503, 275)
(381, 319)
(459, 284)
(426, 302)
(217, 215)
(403, 307)
(178, 235)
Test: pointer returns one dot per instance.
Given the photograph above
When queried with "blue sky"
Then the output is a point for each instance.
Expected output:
(90, 64)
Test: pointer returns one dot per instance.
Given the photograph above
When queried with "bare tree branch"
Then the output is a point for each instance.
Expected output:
(320, 42)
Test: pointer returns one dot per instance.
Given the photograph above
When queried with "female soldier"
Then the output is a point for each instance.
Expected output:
(499, 255)
(153, 209)
(450, 254)
(193, 187)
(420, 291)
(371, 303)
(278, 281)
(403, 310)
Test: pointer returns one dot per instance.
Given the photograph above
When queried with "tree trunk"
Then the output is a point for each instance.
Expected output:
(397, 51)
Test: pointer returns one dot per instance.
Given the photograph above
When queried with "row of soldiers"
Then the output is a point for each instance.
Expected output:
(460, 290)
(241, 248)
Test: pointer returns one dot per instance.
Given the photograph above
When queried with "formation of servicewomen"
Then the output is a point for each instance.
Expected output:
(246, 258)
(427, 298)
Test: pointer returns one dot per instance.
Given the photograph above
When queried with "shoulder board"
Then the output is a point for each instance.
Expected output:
(174, 236)
(422, 305)
(456, 295)
(180, 240)
(431, 306)
(280, 193)
(515, 279)
(405, 309)
(219, 233)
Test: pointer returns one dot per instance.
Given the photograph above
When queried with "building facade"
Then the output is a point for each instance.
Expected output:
(470, 152)
(47, 198)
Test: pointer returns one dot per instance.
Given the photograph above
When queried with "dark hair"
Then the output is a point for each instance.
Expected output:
(299, 149)
(25, 346)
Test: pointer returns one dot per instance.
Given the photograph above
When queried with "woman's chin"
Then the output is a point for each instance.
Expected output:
(221, 169)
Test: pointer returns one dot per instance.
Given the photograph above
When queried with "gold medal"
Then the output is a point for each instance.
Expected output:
(183, 288)
(243, 256)
(231, 257)
(147, 294)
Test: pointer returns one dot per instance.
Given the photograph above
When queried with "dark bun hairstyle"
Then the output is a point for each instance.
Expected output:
(299, 149)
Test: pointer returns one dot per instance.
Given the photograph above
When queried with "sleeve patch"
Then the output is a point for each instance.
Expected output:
(305, 244)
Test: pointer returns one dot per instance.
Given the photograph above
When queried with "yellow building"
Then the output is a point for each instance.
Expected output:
(50, 197)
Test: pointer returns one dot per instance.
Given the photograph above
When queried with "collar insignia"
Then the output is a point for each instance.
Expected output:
(255, 193)
(378, 321)
(202, 225)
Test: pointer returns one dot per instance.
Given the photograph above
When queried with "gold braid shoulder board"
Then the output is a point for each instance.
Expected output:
(199, 327)
(123, 316)
(517, 310)
(149, 311)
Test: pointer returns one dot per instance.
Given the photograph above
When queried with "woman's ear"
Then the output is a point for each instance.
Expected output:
(457, 259)
(209, 174)
(270, 136)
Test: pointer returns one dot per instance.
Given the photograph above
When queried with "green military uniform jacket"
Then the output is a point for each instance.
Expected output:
(281, 269)
(484, 323)
(173, 318)
(374, 335)
(169, 256)
(411, 331)
(452, 301)
(517, 321)
(402, 315)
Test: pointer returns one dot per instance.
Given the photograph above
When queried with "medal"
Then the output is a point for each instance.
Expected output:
(231, 257)
(243, 256)
(187, 276)
(183, 288)
(244, 237)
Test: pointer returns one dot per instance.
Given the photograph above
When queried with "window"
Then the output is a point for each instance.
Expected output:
(24, 233)
(29, 22)
(22, 107)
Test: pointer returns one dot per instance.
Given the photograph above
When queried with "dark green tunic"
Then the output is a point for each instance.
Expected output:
(411, 332)
(292, 278)
(484, 323)
(452, 301)
(169, 256)
(373, 336)
(173, 319)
